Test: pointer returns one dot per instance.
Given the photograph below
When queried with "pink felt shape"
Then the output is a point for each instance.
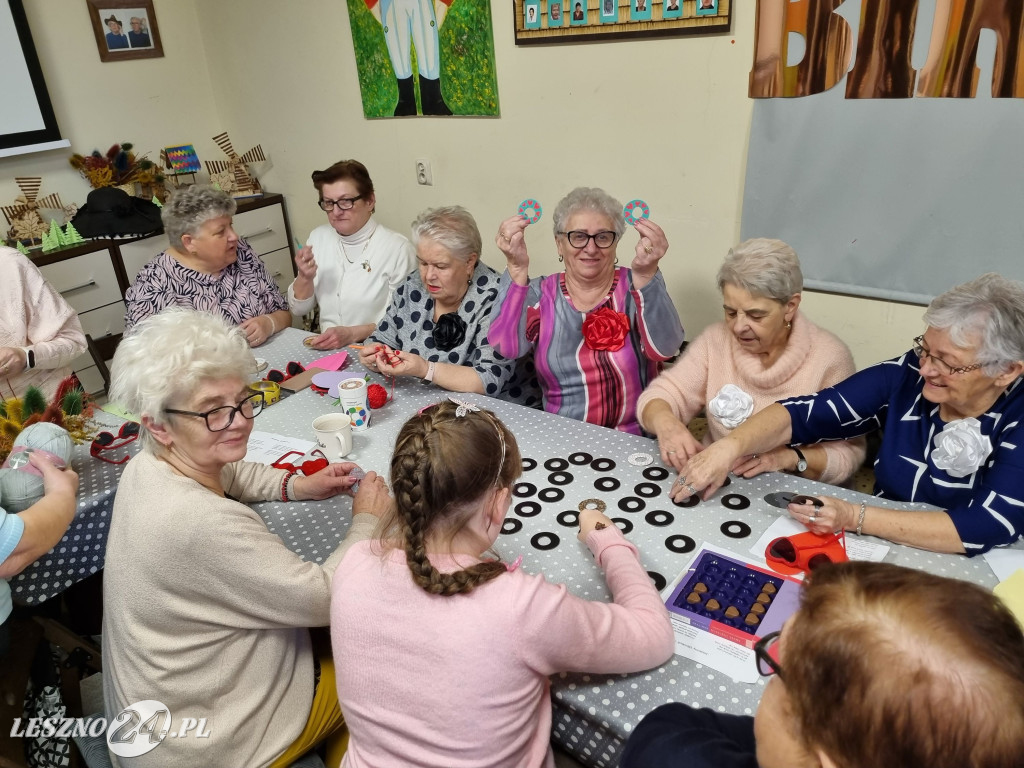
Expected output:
(330, 362)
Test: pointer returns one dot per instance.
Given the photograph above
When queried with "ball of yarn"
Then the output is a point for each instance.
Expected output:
(20, 490)
(47, 436)
(377, 396)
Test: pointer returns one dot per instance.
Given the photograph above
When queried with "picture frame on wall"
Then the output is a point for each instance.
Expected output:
(595, 20)
(125, 29)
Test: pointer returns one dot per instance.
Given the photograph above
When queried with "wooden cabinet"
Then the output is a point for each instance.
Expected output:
(95, 275)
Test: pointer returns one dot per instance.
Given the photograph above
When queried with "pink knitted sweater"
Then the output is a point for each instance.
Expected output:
(813, 359)
(462, 681)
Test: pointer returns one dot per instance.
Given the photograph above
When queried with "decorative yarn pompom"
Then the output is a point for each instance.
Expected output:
(377, 395)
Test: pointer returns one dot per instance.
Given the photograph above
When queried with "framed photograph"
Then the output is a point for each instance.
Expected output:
(572, 21)
(554, 13)
(125, 29)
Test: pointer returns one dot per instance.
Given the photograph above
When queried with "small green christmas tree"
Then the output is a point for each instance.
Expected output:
(48, 243)
(71, 235)
(156, 202)
(56, 236)
(21, 247)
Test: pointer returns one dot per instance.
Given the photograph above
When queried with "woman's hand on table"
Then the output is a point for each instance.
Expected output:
(676, 443)
(590, 520)
(335, 337)
(329, 481)
(834, 515)
(305, 263)
(511, 241)
(257, 329)
(650, 249)
(781, 459)
(12, 360)
(705, 472)
(372, 497)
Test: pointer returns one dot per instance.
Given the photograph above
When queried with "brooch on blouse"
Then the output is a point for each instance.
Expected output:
(366, 266)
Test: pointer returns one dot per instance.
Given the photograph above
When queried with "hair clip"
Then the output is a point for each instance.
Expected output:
(464, 407)
(514, 565)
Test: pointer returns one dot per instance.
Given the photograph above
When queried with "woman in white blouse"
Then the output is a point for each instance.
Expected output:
(350, 265)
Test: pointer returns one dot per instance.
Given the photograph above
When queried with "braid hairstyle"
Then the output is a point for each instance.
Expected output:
(442, 467)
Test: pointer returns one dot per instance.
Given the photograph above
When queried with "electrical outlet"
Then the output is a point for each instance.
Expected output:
(424, 175)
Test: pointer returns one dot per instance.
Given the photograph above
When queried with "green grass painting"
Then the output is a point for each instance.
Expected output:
(468, 79)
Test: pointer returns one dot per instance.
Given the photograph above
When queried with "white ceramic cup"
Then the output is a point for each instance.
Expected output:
(333, 435)
(354, 401)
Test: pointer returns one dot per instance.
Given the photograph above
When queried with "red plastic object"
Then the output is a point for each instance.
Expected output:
(803, 552)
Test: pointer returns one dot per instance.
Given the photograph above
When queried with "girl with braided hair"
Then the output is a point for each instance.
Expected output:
(443, 654)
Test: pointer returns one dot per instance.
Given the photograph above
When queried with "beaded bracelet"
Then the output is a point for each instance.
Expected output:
(284, 485)
(860, 517)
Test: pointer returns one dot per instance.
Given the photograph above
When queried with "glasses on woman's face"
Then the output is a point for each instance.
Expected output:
(219, 419)
(922, 352)
(766, 651)
(579, 239)
(344, 203)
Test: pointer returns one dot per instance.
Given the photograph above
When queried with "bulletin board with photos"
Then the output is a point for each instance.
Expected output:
(562, 21)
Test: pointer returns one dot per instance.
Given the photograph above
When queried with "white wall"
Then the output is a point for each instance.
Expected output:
(152, 103)
(664, 120)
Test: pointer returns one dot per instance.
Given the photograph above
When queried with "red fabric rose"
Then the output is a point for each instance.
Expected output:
(605, 329)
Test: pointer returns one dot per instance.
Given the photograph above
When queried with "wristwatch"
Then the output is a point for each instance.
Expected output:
(801, 462)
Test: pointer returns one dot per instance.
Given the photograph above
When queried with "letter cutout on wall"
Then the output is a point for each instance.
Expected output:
(882, 69)
(827, 51)
(950, 70)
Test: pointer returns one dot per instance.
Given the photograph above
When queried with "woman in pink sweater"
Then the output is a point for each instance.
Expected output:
(443, 655)
(763, 351)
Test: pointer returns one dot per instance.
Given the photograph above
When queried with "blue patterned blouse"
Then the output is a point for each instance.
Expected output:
(240, 291)
(986, 506)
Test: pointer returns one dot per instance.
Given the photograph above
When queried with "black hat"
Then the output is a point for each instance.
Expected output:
(112, 212)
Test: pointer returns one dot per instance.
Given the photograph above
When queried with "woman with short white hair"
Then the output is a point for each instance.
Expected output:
(205, 609)
(209, 267)
(765, 349)
(952, 414)
(435, 327)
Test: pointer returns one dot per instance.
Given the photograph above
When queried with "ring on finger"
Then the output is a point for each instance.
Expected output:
(691, 489)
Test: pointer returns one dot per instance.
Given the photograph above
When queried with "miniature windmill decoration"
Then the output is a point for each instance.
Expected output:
(232, 175)
(23, 216)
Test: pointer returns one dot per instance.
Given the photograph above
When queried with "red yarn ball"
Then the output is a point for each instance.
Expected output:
(377, 395)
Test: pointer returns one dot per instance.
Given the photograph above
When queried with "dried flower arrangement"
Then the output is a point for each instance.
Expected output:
(71, 408)
(119, 166)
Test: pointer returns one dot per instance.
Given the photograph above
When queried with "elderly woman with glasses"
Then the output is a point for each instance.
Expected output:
(208, 267)
(205, 609)
(351, 265)
(764, 350)
(436, 326)
(599, 333)
(880, 666)
(952, 414)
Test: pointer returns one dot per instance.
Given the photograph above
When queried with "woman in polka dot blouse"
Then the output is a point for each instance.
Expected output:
(436, 325)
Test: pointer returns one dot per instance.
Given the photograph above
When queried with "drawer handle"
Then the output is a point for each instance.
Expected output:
(276, 274)
(257, 233)
(90, 284)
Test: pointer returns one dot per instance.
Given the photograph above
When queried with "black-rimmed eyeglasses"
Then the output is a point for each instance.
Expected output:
(344, 203)
(579, 239)
(922, 352)
(219, 419)
(766, 651)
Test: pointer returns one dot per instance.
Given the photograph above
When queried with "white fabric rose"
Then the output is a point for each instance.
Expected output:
(960, 448)
(731, 406)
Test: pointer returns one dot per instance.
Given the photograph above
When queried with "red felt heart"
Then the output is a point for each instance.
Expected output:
(313, 466)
